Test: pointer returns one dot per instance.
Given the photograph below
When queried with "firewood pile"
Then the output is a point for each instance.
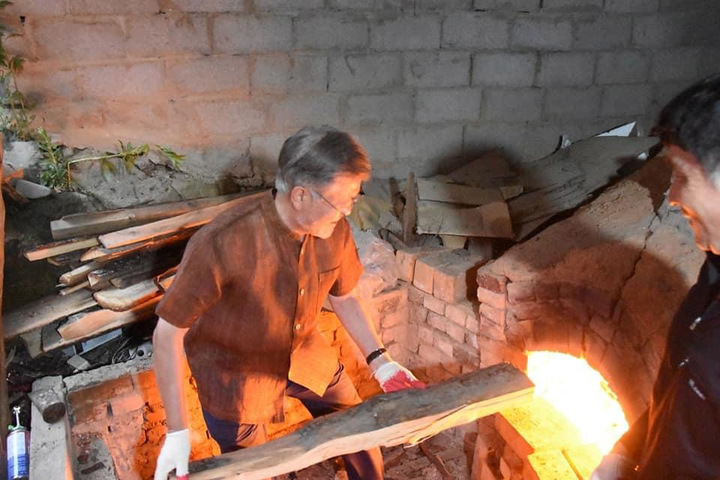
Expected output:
(120, 263)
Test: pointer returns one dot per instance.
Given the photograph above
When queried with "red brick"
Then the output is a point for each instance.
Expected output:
(391, 301)
(521, 292)
(491, 282)
(455, 280)
(497, 300)
(514, 439)
(425, 270)
(434, 304)
(456, 332)
(405, 260)
(458, 312)
(491, 329)
(392, 319)
(415, 295)
(126, 404)
(495, 315)
(444, 344)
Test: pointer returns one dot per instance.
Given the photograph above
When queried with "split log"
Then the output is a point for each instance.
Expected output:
(58, 248)
(153, 230)
(107, 254)
(79, 274)
(96, 223)
(147, 265)
(165, 280)
(66, 258)
(74, 288)
(50, 403)
(82, 326)
(408, 416)
(491, 220)
(121, 299)
(45, 311)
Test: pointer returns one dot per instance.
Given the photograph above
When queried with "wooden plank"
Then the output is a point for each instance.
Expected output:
(93, 323)
(79, 274)
(66, 258)
(96, 223)
(148, 265)
(107, 254)
(409, 219)
(59, 248)
(74, 288)
(461, 194)
(167, 226)
(121, 299)
(45, 311)
(491, 220)
(489, 170)
(165, 280)
(408, 416)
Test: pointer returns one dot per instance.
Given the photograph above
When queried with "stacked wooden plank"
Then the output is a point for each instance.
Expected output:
(119, 262)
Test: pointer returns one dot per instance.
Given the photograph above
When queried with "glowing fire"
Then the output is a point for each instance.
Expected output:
(578, 391)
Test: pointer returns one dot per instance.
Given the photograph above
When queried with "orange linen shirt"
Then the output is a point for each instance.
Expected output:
(250, 292)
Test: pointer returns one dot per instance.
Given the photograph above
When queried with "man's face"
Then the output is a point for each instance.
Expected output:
(698, 197)
(321, 208)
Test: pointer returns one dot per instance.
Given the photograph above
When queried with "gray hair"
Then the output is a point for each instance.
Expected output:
(314, 156)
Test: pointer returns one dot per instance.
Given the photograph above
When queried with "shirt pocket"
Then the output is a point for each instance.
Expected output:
(326, 280)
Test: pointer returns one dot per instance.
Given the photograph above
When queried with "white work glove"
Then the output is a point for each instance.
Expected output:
(614, 467)
(174, 455)
(393, 377)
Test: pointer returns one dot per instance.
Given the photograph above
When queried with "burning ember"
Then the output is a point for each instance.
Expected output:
(581, 394)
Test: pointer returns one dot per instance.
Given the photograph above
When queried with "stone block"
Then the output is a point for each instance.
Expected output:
(101, 7)
(504, 69)
(298, 111)
(434, 304)
(448, 105)
(231, 117)
(481, 31)
(323, 31)
(631, 6)
(437, 69)
(513, 104)
(246, 33)
(381, 108)
(626, 100)
(406, 33)
(58, 40)
(566, 69)
(622, 67)
(573, 103)
(675, 65)
(425, 147)
(516, 5)
(211, 75)
(603, 33)
(161, 35)
(572, 5)
(495, 300)
(540, 33)
(362, 72)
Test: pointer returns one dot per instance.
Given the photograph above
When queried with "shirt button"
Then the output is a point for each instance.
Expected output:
(298, 326)
(302, 292)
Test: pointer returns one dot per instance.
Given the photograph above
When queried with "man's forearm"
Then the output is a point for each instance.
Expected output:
(169, 361)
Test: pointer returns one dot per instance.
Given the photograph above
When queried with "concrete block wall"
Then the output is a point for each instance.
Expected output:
(424, 84)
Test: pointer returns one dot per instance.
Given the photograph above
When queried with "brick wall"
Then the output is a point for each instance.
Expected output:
(421, 82)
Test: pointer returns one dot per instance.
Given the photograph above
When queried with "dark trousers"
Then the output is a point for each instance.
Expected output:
(340, 394)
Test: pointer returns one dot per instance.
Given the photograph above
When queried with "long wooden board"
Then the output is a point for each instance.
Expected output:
(45, 311)
(59, 248)
(167, 226)
(108, 254)
(121, 299)
(491, 220)
(100, 321)
(409, 416)
(96, 223)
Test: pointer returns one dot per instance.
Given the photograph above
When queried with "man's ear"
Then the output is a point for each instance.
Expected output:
(298, 196)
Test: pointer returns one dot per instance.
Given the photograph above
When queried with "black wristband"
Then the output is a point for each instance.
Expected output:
(375, 354)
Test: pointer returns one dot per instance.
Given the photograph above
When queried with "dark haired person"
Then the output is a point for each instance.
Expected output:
(679, 436)
(244, 302)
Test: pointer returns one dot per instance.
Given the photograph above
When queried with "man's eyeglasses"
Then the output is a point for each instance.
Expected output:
(344, 211)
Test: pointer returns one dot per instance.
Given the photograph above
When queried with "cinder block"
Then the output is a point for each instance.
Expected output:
(571, 103)
(461, 30)
(296, 112)
(231, 118)
(496, 300)
(101, 7)
(632, 6)
(603, 33)
(675, 64)
(437, 69)
(322, 32)
(504, 69)
(513, 104)
(385, 109)
(434, 304)
(517, 5)
(380, 145)
(246, 33)
(454, 105)
(137, 81)
(622, 67)
(624, 100)
(58, 40)
(406, 33)
(37, 8)
(208, 6)
(160, 35)
(426, 146)
(572, 5)
(663, 30)
(270, 73)
(443, 5)
(389, 5)
(542, 34)
(360, 72)
(275, 6)
(210, 75)
(308, 73)
(566, 69)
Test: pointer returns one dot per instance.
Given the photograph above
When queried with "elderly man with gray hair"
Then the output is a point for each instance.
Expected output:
(679, 436)
(243, 307)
